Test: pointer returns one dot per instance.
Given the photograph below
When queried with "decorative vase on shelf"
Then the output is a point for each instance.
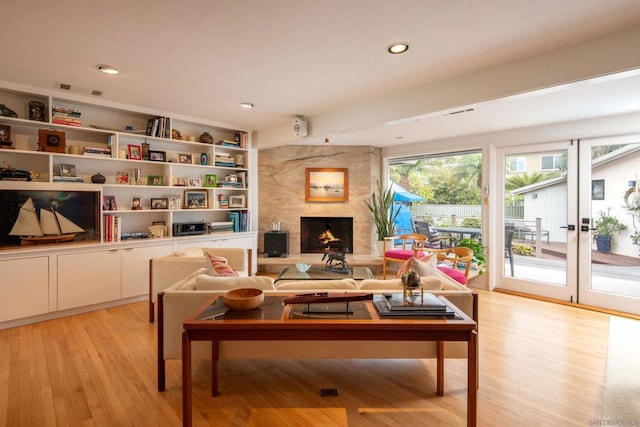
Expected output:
(98, 178)
(204, 159)
(206, 138)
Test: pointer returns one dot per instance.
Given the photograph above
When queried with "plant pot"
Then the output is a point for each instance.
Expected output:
(603, 243)
(379, 247)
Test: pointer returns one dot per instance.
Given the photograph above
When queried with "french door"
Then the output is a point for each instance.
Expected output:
(552, 198)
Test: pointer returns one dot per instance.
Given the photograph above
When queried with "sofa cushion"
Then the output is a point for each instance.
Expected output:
(456, 275)
(316, 284)
(431, 283)
(218, 266)
(189, 252)
(213, 283)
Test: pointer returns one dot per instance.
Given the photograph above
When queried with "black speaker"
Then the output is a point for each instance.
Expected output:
(276, 243)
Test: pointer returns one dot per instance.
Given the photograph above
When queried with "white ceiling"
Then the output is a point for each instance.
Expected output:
(201, 58)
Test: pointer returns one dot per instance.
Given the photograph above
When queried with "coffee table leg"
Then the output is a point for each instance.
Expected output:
(472, 380)
(440, 368)
(215, 352)
(186, 379)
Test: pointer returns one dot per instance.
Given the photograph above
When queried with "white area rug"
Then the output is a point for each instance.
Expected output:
(621, 404)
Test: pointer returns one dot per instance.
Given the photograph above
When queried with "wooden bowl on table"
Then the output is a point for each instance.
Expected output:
(243, 298)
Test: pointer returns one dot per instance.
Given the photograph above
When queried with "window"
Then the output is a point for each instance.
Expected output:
(517, 164)
(552, 162)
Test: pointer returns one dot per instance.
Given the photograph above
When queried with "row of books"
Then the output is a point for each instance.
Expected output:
(65, 116)
(97, 151)
(159, 127)
(240, 220)
(224, 160)
(112, 228)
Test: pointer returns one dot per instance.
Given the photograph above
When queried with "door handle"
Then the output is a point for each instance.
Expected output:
(570, 227)
(586, 228)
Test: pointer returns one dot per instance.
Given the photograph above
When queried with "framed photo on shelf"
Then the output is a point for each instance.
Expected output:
(134, 151)
(5, 134)
(110, 203)
(159, 203)
(122, 177)
(67, 170)
(185, 158)
(237, 201)
(327, 185)
(194, 182)
(210, 180)
(180, 182)
(136, 203)
(155, 180)
(195, 199)
(175, 202)
(157, 156)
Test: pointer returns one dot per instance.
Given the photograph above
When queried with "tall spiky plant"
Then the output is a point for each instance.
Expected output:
(382, 211)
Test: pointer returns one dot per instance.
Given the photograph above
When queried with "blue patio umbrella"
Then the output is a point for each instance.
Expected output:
(402, 195)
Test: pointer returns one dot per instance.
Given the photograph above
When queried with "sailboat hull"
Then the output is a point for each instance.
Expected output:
(43, 240)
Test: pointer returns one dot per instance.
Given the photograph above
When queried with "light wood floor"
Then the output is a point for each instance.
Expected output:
(540, 364)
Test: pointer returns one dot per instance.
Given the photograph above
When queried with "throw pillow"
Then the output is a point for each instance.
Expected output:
(423, 267)
(218, 266)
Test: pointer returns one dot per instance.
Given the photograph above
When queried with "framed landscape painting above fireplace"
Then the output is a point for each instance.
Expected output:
(327, 185)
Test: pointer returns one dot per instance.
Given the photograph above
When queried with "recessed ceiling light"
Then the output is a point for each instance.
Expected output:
(398, 47)
(326, 141)
(108, 69)
(246, 105)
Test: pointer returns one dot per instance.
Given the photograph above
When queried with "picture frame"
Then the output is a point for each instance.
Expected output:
(134, 151)
(155, 180)
(210, 180)
(67, 170)
(136, 203)
(157, 156)
(109, 203)
(5, 134)
(158, 223)
(122, 177)
(180, 182)
(237, 201)
(175, 202)
(185, 158)
(327, 185)
(194, 182)
(195, 199)
(159, 203)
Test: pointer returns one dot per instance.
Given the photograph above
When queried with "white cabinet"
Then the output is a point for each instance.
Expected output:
(24, 288)
(88, 278)
(135, 268)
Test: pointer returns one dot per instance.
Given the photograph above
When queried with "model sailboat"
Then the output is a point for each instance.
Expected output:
(52, 227)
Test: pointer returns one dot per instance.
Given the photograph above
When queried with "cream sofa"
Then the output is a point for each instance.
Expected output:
(179, 301)
(167, 270)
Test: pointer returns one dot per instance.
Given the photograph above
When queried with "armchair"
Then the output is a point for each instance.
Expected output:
(460, 259)
(412, 245)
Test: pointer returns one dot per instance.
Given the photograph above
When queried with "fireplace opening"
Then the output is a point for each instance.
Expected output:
(326, 234)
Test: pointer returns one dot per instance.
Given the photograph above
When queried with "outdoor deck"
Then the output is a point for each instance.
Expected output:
(556, 250)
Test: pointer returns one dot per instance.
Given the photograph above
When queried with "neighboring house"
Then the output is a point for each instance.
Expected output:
(612, 174)
(535, 162)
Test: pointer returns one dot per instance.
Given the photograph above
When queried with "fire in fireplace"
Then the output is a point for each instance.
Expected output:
(323, 234)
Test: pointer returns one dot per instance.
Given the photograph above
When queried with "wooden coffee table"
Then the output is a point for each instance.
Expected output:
(320, 273)
(278, 322)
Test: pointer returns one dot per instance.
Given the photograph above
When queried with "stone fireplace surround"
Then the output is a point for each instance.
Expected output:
(281, 191)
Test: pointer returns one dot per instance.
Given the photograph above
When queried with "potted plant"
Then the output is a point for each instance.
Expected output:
(382, 212)
(478, 252)
(605, 227)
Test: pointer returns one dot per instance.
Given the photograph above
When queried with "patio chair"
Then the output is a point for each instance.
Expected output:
(459, 257)
(412, 246)
(434, 239)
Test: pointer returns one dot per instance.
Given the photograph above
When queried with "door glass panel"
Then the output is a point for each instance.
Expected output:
(615, 216)
(535, 217)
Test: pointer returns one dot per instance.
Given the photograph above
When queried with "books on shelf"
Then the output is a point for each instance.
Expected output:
(240, 220)
(58, 178)
(65, 116)
(159, 127)
(97, 151)
(112, 228)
